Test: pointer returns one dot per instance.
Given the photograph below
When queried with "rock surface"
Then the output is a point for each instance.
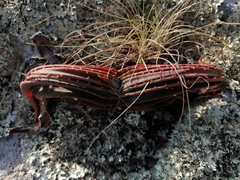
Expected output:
(138, 145)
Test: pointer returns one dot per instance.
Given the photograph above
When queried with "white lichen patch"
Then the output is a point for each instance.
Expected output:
(14, 108)
(42, 161)
(133, 118)
(212, 145)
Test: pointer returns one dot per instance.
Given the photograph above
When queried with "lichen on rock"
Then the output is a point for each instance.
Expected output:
(139, 145)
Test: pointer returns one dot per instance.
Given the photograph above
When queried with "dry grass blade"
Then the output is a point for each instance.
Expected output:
(141, 33)
(130, 33)
(109, 125)
(165, 85)
(134, 33)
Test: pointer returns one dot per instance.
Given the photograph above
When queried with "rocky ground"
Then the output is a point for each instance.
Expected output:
(140, 145)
